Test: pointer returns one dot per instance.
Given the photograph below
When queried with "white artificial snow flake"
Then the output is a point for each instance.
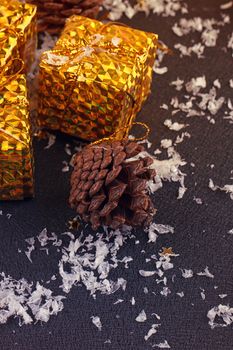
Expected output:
(222, 296)
(151, 331)
(206, 273)
(118, 301)
(203, 294)
(163, 345)
(181, 192)
(65, 167)
(51, 141)
(156, 315)
(230, 231)
(217, 83)
(230, 43)
(166, 143)
(144, 273)
(159, 228)
(162, 229)
(28, 252)
(225, 188)
(178, 83)
(197, 200)
(165, 291)
(164, 106)
(161, 70)
(227, 5)
(97, 322)
(67, 149)
(141, 316)
(187, 273)
(174, 126)
(180, 294)
(133, 301)
(221, 311)
(43, 237)
(231, 83)
(195, 85)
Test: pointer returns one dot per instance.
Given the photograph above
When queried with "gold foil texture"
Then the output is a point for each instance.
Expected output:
(17, 44)
(95, 80)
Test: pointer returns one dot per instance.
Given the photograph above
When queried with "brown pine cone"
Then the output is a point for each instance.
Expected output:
(107, 188)
(52, 14)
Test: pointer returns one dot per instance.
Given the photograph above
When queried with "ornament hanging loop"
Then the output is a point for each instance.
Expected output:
(114, 135)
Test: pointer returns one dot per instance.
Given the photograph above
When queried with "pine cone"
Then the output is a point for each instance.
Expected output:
(107, 188)
(52, 14)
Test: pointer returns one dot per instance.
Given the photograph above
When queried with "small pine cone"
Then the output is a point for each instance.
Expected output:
(52, 14)
(109, 188)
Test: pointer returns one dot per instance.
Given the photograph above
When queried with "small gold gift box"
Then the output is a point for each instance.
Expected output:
(95, 80)
(17, 43)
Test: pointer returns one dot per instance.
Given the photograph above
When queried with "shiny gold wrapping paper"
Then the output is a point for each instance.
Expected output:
(95, 80)
(17, 44)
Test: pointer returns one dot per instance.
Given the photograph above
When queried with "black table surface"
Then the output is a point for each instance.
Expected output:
(201, 231)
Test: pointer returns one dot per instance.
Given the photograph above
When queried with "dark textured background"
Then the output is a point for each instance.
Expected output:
(200, 230)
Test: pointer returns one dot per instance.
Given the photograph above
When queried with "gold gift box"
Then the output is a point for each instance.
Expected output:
(17, 43)
(95, 80)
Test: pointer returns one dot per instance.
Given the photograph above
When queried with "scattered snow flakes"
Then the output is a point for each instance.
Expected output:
(18, 298)
(166, 169)
(180, 294)
(206, 273)
(225, 188)
(208, 29)
(161, 52)
(141, 316)
(163, 345)
(152, 331)
(221, 311)
(144, 273)
(96, 321)
(187, 273)
(90, 260)
(164, 8)
(174, 126)
(227, 5)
